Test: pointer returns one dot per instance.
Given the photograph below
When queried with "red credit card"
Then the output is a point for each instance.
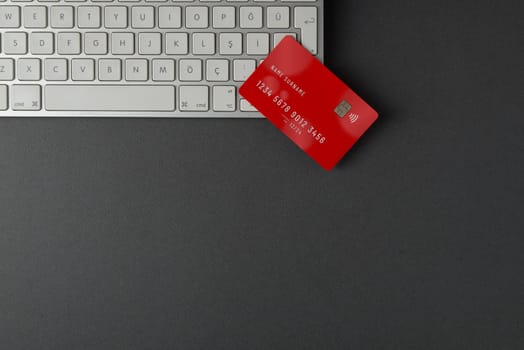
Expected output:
(308, 103)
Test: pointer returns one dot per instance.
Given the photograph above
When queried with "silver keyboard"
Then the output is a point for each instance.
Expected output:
(142, 58)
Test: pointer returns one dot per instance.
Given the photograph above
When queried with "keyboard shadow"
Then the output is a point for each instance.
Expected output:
(336, 27)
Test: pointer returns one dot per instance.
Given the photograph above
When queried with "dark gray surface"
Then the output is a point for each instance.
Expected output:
(219, 234)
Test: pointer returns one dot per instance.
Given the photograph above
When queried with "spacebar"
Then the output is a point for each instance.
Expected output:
(155, 98)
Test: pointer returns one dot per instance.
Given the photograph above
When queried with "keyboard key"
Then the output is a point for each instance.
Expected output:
(278, 17)
(257, 44)
(35, 16)
(61, 17)
(250, 17)
(224, 17)
(3, 98)
(109, 70)
(7, 69)
(217, 70)
(245, 106)
(230, 44)
(88, 17)
(68, 43)
(15, 43)
(142, 17)
(41, 43)
(95, 43)
(122, 43)
(149, 43)
(306, 20)
(190, 70)
(136, 70)
(177, 44)
(146, 98)
(169, 17)
(203, 43)
(82, 69)
(197, 17)
(55, 69)
(9, 16)
(28, 69)
(242, 69)
(115, 17)
(163, 70)
(224, 98)
(194, 98)
(277, 37)
(25, 97)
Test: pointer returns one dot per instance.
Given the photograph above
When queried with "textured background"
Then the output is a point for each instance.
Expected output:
(220, 234)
